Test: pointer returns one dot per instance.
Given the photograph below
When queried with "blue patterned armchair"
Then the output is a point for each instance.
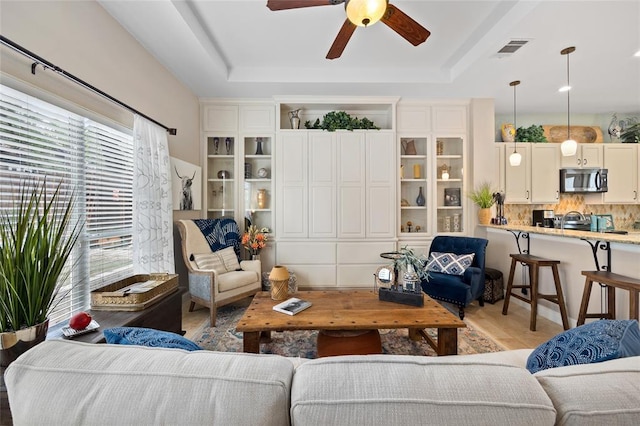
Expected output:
(459, 290)
(211, 249)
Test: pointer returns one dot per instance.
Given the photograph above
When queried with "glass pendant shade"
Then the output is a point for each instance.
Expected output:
(515, 158)
(365, 12)
(569, 147)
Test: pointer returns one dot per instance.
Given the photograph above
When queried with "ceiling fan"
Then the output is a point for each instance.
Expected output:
(362, 13)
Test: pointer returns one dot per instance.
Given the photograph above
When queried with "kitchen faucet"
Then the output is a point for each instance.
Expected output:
(564, 216)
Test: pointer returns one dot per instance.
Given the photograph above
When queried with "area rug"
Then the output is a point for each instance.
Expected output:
(224, 337)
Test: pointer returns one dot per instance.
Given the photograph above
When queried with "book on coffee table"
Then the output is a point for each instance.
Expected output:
(292, 306)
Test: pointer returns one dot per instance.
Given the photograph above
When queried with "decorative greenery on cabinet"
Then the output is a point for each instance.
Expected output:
(336, 120)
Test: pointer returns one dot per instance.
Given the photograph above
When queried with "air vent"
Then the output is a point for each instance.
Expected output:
(512, 47)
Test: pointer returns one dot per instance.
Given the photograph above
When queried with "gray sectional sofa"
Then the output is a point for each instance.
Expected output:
(66, 382)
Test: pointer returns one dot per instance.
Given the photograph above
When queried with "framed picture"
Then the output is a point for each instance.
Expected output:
(452, 197)
(186, 185)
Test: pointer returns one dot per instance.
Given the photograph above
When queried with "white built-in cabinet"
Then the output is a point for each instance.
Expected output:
(431, 143)
(238, 147)
(335, 199)
(336, 184)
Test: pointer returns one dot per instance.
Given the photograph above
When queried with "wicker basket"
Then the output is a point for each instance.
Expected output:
(115, 297)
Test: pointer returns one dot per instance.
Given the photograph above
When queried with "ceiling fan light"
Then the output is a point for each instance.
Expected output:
(569, 148)
(515, 158)
(365, 12)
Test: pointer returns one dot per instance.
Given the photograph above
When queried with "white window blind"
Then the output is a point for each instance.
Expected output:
(94, 161)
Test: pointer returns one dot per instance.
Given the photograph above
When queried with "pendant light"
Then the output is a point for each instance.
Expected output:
(515, 158)
(569, 146)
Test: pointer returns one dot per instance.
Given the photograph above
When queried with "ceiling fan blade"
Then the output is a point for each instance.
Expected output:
(401, 23)
(295, 4)
(341, 40)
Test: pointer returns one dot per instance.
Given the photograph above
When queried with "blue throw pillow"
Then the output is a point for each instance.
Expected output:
(594, 342)
(148, 337)
(449, 263)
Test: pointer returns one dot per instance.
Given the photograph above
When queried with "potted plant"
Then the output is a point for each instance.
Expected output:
(406, 260)
(483, 197)
(36, 239)
(632, 133)
(533, 133)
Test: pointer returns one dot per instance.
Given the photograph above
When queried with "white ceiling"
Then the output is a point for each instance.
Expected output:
(239, 48)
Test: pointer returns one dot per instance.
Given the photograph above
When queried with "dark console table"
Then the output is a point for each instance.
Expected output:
(164, 315)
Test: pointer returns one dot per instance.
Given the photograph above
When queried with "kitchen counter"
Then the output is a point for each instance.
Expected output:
(633, 237)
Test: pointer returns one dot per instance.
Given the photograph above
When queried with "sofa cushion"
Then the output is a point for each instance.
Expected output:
(221, 261)
(594, 342)
(606, 393)
(409, 390)
(61, 382)
(449, 263)
(148, 337)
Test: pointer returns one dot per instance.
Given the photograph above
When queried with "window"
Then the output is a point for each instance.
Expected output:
(40, 140)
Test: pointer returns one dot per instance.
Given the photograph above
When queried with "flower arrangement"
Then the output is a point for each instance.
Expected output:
(255, 239)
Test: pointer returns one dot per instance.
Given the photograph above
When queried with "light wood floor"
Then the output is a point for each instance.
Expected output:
(510, 331)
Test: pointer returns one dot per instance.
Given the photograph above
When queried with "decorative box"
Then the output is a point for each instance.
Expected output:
(403, 297)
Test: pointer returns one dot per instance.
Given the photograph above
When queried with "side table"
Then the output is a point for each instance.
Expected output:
(165, 315)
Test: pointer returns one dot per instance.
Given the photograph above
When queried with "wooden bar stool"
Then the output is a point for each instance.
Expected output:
(534, 263)
(611, 281)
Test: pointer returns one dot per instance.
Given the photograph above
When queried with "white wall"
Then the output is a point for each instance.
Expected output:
(84, 40)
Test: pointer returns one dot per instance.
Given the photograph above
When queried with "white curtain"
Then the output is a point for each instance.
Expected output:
(152, 204)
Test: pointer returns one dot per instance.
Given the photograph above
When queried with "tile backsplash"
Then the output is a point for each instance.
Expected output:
(624, 215)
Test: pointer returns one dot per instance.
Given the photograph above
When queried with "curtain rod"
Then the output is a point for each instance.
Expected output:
(46, 64)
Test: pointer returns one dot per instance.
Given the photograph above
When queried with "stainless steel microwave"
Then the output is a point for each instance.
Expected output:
(583, 180)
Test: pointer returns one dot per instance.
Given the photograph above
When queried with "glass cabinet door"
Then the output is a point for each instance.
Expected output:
(414, 186)
(450, 184)
(221, 176)
(257, 186)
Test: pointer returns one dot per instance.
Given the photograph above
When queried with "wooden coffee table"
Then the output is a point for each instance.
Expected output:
(350, 310)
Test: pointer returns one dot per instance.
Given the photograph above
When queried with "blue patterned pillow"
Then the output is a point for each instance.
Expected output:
(148, 337)
(594, 342)
(449, 263)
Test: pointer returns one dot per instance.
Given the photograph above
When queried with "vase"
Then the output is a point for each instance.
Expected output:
(259, 146)
(15, 343)
(216, 145)
(484, 216)
(508, 132)
(227, 145)
(255, 256)
(262, 198)
(294, 118)
(279, 279)
(409, 147)
(420, 200)
(410, 280)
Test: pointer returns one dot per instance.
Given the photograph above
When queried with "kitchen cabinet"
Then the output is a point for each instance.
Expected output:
(587, 155)
(545, 173)
(621, 160)
(517, 179)
(536, 179)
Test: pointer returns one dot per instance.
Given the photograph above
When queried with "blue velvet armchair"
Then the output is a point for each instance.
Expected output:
(459, 290)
